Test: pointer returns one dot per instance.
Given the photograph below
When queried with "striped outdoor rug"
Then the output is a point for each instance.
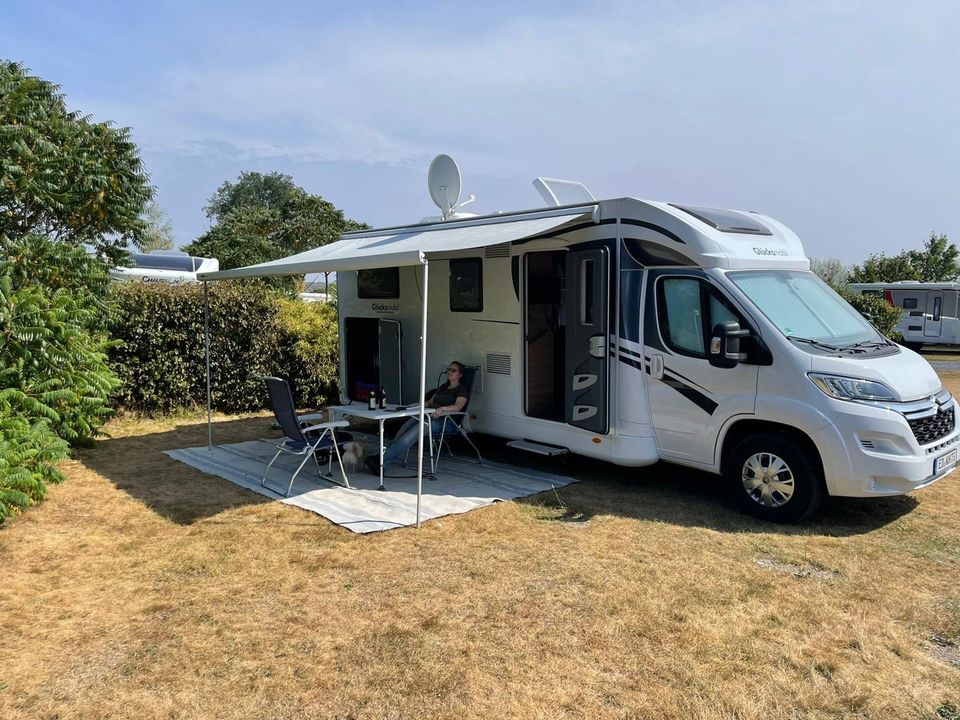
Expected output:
(459, 487)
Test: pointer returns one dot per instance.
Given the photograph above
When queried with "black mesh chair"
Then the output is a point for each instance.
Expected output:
(456, 423)
(302, 438)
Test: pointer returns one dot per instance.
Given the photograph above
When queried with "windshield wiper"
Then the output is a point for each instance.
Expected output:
(816, 343)
(866, 344)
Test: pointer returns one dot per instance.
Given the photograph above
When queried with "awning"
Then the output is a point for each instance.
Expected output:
(409, 246)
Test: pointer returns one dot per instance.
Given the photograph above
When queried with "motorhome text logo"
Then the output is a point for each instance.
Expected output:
(768, 251)
(382, 308)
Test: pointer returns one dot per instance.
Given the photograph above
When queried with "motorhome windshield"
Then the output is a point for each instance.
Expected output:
(804, 308)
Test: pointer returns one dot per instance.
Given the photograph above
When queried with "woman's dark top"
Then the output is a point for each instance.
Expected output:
(447, 395)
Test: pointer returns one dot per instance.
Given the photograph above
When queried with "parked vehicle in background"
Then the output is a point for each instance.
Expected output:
(164, 266)
(929, 310)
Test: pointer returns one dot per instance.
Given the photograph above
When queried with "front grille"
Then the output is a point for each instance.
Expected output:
(933, 427)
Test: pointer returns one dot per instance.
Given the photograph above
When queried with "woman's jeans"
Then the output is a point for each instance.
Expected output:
(407, 438)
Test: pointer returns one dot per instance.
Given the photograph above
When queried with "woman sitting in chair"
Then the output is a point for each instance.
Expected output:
(450, 397)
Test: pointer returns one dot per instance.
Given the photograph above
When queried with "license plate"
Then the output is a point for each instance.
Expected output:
(945, 461)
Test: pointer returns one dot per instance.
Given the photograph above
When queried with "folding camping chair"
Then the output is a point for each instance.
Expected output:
(297, 440)
(456, 423)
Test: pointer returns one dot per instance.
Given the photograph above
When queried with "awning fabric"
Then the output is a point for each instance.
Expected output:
(404, 246)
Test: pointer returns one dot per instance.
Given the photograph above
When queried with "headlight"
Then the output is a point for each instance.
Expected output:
(848, 388)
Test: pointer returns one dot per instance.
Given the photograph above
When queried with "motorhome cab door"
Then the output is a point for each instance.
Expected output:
(690, 399)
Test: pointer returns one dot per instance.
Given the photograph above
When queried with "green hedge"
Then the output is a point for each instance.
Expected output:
(253, 331)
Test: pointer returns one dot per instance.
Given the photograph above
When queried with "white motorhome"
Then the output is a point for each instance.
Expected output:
(929, 310)
(633, 331)
(171, 267)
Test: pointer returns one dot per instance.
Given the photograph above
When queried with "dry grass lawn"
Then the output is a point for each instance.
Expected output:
(145, 589)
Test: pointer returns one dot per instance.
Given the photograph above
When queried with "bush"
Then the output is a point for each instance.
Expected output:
(878, 312)
(253, 331)
(53, 372)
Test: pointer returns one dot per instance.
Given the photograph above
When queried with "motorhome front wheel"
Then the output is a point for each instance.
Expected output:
(773, 478)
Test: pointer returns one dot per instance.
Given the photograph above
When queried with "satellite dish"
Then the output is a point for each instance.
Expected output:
(443, 180)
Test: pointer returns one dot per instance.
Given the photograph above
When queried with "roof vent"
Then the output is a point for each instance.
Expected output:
(497, 251)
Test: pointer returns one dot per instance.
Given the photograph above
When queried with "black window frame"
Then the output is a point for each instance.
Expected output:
(476, 306)
(392, 291)
(913, 300)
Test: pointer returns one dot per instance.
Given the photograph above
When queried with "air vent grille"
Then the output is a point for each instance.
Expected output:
(498, 363)
(497, 251)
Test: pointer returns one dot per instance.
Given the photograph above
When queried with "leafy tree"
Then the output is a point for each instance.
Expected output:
(66, 183)
(833, 272)
(62, 175)
(158, 234)
(880, 268)
(264, 217)
(937, 262)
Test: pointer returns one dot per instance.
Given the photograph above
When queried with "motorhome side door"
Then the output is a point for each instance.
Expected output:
(933, 320)
(585, 396)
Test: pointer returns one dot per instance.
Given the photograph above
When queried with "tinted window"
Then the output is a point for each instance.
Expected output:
(466, 285)
(182, 263)
(378, 284)
(909, 303)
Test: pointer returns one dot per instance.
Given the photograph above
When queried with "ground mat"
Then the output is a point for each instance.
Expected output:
(459, 487)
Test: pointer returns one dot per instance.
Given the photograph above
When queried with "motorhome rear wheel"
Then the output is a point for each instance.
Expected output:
(773, 478)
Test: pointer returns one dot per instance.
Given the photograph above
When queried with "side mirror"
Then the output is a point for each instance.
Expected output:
(725, 345)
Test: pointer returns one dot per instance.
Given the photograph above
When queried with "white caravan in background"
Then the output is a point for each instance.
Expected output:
(929, 310)
(635, 331)
(172, 267)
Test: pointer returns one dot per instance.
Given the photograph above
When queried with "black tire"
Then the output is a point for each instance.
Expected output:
(790, 494)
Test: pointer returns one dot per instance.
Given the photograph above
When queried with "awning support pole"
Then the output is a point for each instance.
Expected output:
(206, 343)
(423, 386)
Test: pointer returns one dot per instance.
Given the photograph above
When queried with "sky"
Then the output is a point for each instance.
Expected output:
(841, 118)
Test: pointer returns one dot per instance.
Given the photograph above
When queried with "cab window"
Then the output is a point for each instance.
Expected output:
(687, 310)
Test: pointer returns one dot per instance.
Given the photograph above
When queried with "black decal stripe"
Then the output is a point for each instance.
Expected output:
(671, 371)
(631, 362)
(655, 228)
(694, 396)
(628, 351)
(500, 322)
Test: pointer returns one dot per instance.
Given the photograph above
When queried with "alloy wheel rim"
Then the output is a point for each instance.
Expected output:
(768, 480)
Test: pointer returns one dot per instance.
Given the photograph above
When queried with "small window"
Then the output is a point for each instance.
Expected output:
(586, 292)
(466, 285)
(909, 303)
(378, 284)
(936, 309)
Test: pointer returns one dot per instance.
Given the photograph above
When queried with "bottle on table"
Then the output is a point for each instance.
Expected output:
(383, 398)
(372, 400)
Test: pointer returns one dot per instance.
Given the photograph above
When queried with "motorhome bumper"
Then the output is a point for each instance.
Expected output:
(868, 455)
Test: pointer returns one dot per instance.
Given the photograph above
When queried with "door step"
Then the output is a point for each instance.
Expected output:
(538, 448)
